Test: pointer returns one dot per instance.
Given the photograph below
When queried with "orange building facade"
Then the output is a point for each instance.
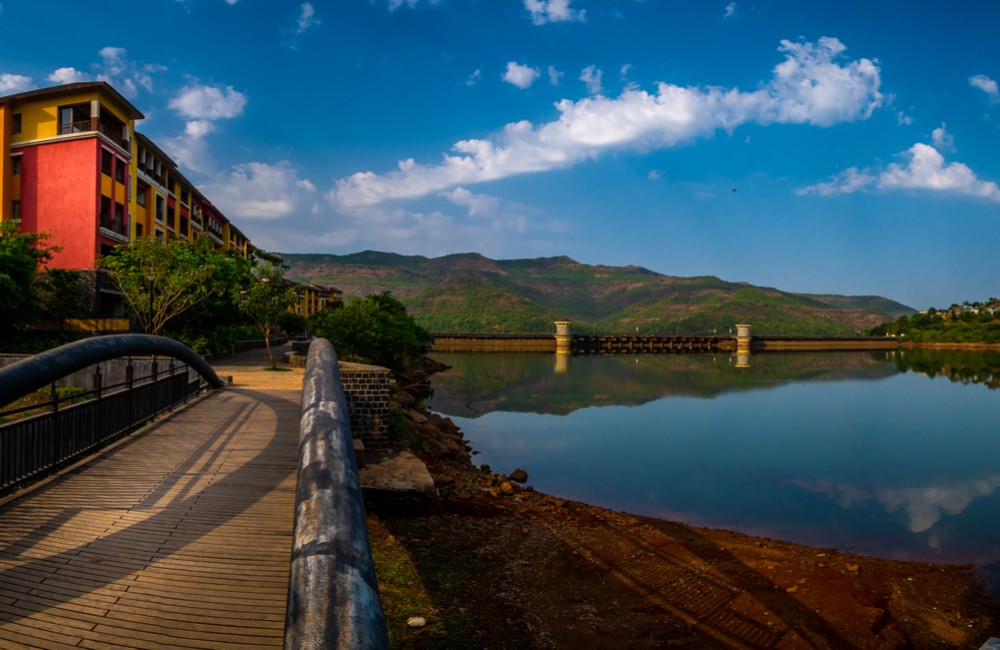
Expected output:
(72, 165)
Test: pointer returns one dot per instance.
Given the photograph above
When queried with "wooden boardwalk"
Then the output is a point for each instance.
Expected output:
(178, 537)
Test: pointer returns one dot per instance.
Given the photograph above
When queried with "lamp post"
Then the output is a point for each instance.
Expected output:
(149, 322)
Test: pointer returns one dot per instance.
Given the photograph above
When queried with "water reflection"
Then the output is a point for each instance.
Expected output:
(870, 452)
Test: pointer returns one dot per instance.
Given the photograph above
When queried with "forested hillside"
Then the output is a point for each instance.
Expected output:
(472, 293)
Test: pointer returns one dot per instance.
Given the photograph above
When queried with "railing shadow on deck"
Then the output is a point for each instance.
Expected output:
(248, 482)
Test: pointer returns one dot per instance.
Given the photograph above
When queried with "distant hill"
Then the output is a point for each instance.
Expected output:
(471, 293)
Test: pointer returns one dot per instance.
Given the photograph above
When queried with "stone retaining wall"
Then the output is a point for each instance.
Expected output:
(368, 390)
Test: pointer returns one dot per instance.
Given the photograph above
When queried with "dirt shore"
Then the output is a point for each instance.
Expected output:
(490, 563)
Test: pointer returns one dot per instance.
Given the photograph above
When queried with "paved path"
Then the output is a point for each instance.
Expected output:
(177, 537)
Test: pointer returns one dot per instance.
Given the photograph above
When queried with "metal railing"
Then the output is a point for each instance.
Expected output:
(35, 444)
(95, 124)
(114, 225)
(333, 599)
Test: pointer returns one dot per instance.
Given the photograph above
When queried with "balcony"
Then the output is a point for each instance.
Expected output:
(114, 229)
(110, 131)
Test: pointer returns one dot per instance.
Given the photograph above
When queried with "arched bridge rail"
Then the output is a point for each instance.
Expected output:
(36, 445)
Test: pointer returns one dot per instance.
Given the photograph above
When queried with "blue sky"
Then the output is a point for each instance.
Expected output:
(823, 147)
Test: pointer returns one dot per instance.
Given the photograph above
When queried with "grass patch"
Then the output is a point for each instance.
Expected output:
(410, 580)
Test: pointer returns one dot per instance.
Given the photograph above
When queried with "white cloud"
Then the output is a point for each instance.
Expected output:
(67, 75)
(924, 169)
(987, 85)
(903, 119)
(198, 128)
(474, 78)
(307, 18)
(812, 88)
(202, 106)
(653, 175)
(730, 11)
(231, 2)
(114, 67)
(846, 182)
(553, 11)
(478, 205)
(555, 76)
(519, 75)
(809, 87)
(209, 102)
(15, 83)
(261, 191)
(396, 4)
(124, 74)
(942, 139)
(591, 76)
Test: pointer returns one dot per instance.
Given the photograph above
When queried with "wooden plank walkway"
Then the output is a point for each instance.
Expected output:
(178, 537)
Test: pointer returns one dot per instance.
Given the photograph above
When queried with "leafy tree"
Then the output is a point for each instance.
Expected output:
(267, 300)
(293, 324)
(62, 295)
(376, 329)
(178, 274)
(21, 256)
(214, 325)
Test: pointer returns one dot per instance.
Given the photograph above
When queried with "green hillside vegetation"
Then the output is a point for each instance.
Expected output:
(472, 293)
(966, 323)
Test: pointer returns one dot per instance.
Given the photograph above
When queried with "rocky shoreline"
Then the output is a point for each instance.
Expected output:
(489, 552)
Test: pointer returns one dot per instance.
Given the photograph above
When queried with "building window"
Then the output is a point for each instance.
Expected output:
(140, 195)
(105, 210)
(120, 170)
(106, 161)
(159, 208)
(15, 166)
(185, 195)
(138, 230)
(15, 123)
(159, 234)
(119, 213)
(15, 210)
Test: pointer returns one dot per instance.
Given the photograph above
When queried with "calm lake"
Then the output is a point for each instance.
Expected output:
(895, 454)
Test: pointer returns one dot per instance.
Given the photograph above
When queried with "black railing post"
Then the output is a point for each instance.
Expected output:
(55, 398)
(129, 385)
(97, 381)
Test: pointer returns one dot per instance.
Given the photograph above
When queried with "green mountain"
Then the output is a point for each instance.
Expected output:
(471, 293)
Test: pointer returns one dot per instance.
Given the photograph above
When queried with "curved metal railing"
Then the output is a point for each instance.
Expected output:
(33, 446)
(30, 374)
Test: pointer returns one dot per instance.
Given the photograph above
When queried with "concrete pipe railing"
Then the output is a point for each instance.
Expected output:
(333, 599)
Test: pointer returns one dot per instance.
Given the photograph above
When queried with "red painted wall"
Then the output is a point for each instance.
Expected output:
(60, 194)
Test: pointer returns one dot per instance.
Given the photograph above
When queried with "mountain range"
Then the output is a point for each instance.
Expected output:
(472, 293)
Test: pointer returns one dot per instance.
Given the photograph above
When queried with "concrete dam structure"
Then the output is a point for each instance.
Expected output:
(564, 342)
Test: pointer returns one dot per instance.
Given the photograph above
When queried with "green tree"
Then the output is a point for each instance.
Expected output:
(62, 295)
(22, 254)
(376, 329)
(174, 276)
(267, 300)
(214, 324)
